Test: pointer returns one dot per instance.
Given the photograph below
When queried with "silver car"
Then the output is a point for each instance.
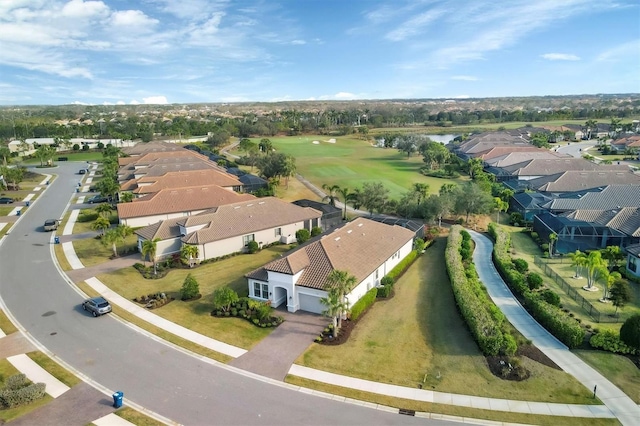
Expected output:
(97, 306)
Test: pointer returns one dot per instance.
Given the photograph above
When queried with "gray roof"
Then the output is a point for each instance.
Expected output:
(578, 180)
(530, 200)
(485, 141)
(625, 220)
(610, 197)
(543, 167)
(633, 249)
(520, 157)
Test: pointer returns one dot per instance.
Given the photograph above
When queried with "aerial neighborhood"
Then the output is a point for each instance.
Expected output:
(364, 243)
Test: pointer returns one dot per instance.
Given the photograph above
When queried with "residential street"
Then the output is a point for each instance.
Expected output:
(114, 356)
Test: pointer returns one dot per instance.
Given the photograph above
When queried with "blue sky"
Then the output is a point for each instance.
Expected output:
(187, 51)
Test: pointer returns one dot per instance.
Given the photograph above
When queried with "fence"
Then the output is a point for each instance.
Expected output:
(591, 310)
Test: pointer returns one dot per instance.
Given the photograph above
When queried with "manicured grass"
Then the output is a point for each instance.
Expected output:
(82, 227)
(450, 410)
(55, 369)
(296, 191)
(4, 210)
(195, 315)
(136, 417)
(7, 370)
(350, 162)
(418, 333)
(91, 252)
(163, 334)
(72, 156)
(6, 325)
(617, 368)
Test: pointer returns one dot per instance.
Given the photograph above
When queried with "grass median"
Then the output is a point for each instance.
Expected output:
(418, 337)
(7, 370)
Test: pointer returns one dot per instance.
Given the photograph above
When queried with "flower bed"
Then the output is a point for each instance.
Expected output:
(257, 313)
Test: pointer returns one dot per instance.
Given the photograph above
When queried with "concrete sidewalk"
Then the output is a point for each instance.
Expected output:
(623, 408)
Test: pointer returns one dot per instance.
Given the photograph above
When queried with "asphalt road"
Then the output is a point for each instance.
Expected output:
(179, 386)
(578, 149)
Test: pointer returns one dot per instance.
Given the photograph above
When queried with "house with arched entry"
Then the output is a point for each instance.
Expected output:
(364, 248)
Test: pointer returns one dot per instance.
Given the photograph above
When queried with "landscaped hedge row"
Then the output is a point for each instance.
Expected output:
(565, 328)
(18, 391)
(481, 315)
(365, 301)
(609, 341)
(399, 269)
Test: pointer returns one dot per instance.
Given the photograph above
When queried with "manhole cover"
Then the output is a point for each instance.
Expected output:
(49, 313)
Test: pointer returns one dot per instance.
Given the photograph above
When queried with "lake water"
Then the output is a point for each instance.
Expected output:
(445, 139)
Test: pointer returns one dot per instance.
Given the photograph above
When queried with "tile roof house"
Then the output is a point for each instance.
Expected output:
(579, 180)
(176, 202)
(627, 142)
(151, 184)
(481, 143)
(229, 228)
(536, 168)
(143, 148)
(606, 198)
(160, 169)
(366, 249)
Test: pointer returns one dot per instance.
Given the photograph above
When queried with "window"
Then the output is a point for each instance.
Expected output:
(278, 232)
(632, 264)
(261, 291)
(247, 238)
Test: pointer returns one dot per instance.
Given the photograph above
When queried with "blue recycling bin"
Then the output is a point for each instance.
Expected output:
(77, 189)
(18, 212)
(27, 203)
(47, 182)
(117, 399)
(56, 240)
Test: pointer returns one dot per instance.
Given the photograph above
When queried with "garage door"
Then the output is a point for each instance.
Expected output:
(311, 304)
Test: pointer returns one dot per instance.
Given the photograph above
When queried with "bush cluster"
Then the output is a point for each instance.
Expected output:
(257, 313)
(401, 267)
(153, 300)
(361, 305)
(609, 341)
(565, 328)
(87, 215)
(483, 318)
(18, 391)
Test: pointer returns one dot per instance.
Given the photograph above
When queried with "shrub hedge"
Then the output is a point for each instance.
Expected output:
(566, 329)
(384, 291)
(483, 318)
(611, 342)
(18, 391)
(399, 269)
(361, 305)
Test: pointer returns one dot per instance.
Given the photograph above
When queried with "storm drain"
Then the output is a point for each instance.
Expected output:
(407, 412)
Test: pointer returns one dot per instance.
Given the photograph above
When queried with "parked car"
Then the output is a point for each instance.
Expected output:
(97, 199)
(51, 224)
(6, 200)
(82, 171)
(97, 306)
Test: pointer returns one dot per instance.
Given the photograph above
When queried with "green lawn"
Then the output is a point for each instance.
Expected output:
(55, 369)
(617, 368)
(419, 334)
(91, 252)
(195, 315)
(5, 325)
(350, 162)
(72, 156)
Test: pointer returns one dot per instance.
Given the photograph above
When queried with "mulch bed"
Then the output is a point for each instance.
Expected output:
(500, 365)
(532, 352)
(343, 335)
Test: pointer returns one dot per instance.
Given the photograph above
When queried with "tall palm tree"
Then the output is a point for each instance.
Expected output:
(104, 209)
(613, 255)
(149, 248)
(578, 259)
(596, 268)
(420, 190)
(553, 237)
(355, 198)
(341, 282)
(331, 193)
(334, 308)
(345, 196)
(608, 282)
(111, 238)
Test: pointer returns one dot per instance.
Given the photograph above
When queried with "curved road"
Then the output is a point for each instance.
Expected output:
(184, 388)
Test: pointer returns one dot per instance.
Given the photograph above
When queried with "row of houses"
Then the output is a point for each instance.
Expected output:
(183, 198)
(587, 205)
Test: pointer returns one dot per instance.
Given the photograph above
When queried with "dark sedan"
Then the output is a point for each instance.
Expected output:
(6, 200)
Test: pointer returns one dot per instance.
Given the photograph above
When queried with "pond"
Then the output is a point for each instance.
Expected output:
(445, 139)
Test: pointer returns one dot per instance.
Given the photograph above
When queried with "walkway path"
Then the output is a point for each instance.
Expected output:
(275, 354)
(624, 409)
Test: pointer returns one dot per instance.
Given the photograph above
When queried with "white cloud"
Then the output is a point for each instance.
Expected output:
(134, 102)
(415, 25)
(339, 96)
(79, 103)
(298, 42)
(85, 9)
(133, 19)
(464, 78)
(120, 103)
(560, 57)
(156, 100)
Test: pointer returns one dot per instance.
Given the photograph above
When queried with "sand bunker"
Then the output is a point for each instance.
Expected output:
(332, 140)
(316, 142)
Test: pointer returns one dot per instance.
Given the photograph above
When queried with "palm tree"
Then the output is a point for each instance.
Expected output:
(111, 238)
(188, 252)
(101, 224)
(608, 282)
(355, 198)
(420, 190)
(613, 255)
(553, 237)
(149, 248)
(345, 196)
(590, 125)
(104, 209)
(596, 268)
(334, 308)
(331, 193)
(341, 283)
(126, 197)
(578, 259)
